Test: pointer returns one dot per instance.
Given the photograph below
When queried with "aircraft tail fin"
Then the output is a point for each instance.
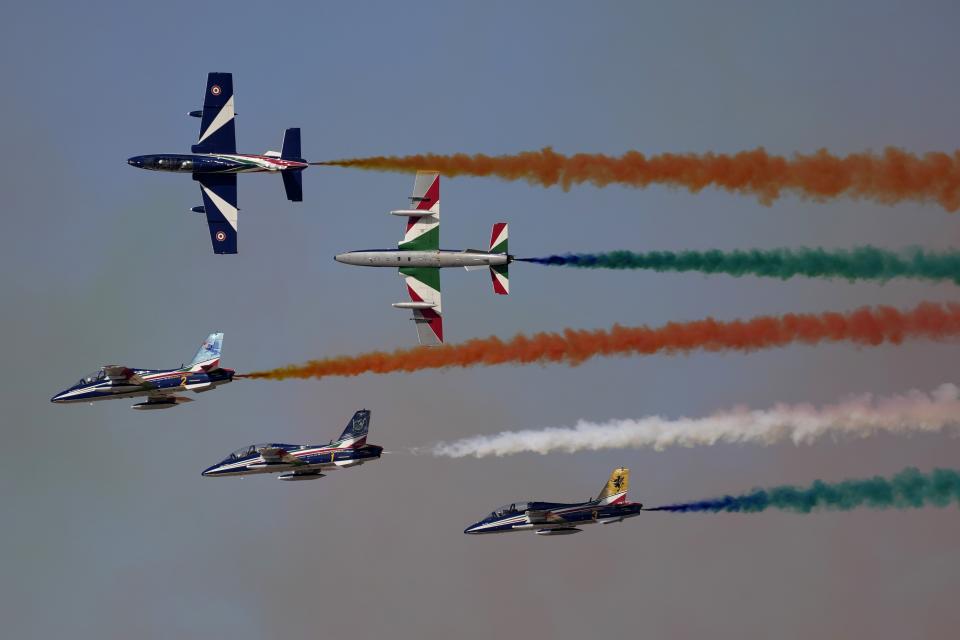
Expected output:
(615, 491)
(498, 238)
(500, 274)
(208, 355)
(355, 434)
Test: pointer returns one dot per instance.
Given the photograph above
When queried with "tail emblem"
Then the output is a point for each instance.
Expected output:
(215, 89)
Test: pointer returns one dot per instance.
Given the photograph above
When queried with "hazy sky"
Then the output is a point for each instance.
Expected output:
(111, 532)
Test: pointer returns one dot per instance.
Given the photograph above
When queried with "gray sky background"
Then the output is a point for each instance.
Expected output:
(109, 529)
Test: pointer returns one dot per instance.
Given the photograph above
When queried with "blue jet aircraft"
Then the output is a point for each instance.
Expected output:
(215, 163)
(158, 385)
(560, 519)
(304, 461)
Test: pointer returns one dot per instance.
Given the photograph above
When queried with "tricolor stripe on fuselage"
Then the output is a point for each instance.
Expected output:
(249, 163)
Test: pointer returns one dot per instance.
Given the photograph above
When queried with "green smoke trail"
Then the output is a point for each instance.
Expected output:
(860, 263)
(909, 489)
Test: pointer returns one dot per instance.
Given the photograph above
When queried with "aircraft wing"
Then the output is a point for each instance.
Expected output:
(217, 127)
(423, 287)
(544, 517)
(275, 455)
(219, 192)
(120, 372)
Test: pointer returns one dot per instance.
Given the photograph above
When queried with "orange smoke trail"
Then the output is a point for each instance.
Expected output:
(890, 177)
(866, 326)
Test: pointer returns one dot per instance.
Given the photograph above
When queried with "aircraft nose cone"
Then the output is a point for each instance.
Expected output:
(471, 529)
(206, 473)
(339, 257)
(136, 161)
(57, 399)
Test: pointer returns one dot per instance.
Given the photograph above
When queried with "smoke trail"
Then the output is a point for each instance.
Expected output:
(858, 417)
(890, 177)
(861, 263)
(866, 326)
(908, 489)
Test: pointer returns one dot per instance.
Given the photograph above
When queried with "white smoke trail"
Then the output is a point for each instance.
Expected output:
(857, 417)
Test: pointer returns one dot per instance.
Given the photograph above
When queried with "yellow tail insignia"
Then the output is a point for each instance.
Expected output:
(618, 484)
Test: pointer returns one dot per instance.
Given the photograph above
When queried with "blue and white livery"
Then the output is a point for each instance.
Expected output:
(160, 386)
(215, 163)
(303, 461)
(558, 518)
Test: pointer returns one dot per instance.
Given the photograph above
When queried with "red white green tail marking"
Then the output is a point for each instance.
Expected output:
(500, 274)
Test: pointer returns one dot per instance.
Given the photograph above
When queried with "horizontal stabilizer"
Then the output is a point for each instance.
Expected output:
(414, 305)
(293, 184)
(498, 238)
(291, 145)
(500, 274)
(411, 213)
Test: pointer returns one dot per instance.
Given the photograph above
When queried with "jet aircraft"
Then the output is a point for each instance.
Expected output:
(560, 519)
(160, 386)
(305, 461)
(419, 258)
(215, 163)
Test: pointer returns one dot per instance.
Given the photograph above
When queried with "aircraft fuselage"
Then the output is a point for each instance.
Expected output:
(213, 163)
(165, 381)
(433, 259)
(312, 458)
(514, 517)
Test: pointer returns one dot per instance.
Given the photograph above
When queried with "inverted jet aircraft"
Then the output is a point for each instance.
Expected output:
(560, 519)
(160, 386)
(305, 461)
(419, 258)
(215, 163)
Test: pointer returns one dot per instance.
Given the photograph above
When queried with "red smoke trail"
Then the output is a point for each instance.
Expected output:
(890, 177)
(869, 326)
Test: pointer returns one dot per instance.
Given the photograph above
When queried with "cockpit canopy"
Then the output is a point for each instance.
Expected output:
(90, 378)
(507, 509)
(167, 163)
(244, 452)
